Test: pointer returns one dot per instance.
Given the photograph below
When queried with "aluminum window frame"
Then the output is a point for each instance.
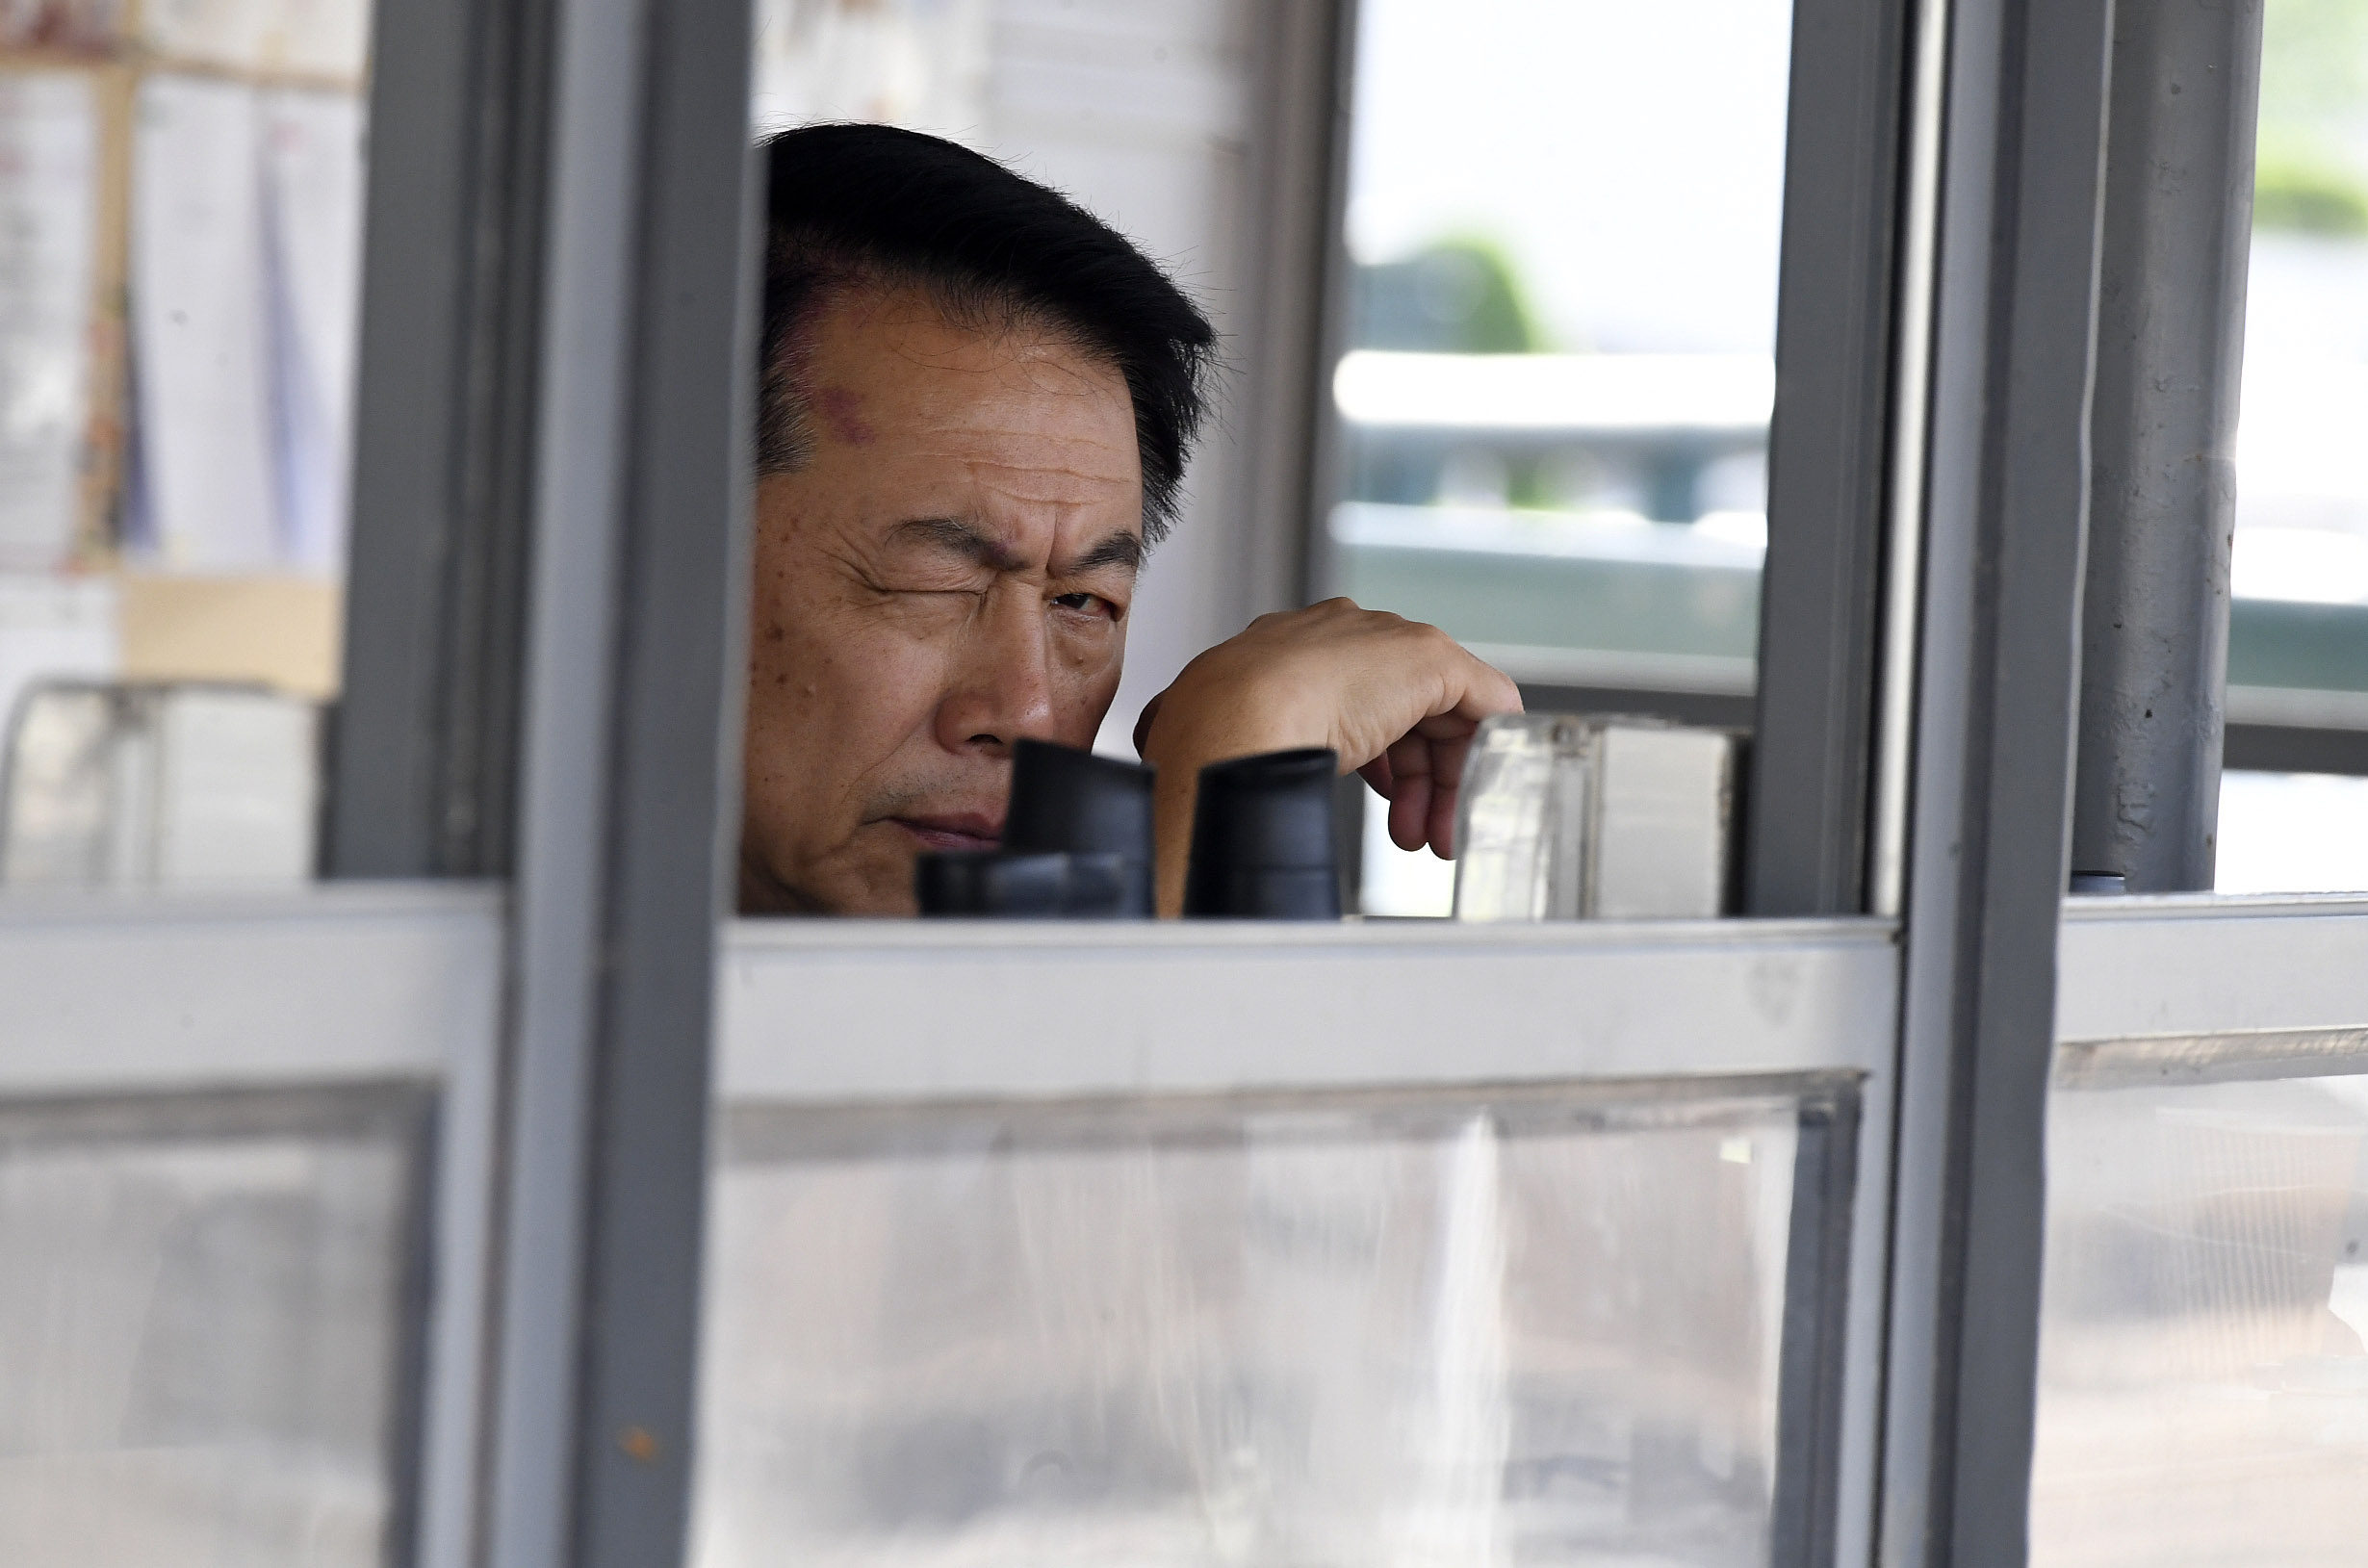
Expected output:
(2189, 964)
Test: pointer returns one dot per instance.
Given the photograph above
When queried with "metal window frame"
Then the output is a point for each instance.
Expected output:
(1323, 471)
(424, 762)
(2013, 368)
(864, 1012)
(635, 616)
(1831, 453)
(1302, 59)
(2189, 964)
(2278, 731)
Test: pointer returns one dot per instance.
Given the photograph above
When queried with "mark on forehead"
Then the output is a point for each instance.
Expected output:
(842, 411)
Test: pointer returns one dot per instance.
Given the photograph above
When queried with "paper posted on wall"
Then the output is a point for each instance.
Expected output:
(48, 180)
(203, 487)
(225, 33)
(313, 206)
(325, 39)
(247, 223)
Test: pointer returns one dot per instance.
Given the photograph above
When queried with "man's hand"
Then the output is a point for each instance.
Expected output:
(1399, 701)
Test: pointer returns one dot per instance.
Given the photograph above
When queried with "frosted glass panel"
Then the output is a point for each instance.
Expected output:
(202, 1335)
(1543, 1330)
(2203, 1388)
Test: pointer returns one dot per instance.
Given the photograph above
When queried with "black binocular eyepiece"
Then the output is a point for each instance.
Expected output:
(1077, 843)
(1262, 838)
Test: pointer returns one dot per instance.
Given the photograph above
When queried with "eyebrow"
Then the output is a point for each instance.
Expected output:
(954, 535)
(1122, 549)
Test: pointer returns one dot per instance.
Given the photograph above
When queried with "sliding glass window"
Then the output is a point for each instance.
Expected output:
(1549, 417)
(2294, 805)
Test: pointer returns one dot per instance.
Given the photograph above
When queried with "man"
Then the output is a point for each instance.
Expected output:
(975, 407)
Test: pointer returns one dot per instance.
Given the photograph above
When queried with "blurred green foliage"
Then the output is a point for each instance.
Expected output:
(2311, 173)
(2301, 193)
(1458, 295)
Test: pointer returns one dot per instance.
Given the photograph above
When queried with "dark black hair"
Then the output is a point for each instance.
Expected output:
(857, 204)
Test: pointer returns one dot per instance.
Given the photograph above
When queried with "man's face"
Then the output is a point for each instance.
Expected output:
(948, 572)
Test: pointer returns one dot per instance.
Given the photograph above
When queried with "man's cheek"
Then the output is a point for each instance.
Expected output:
(884, 689)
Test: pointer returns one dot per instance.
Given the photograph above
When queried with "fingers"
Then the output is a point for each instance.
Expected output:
(1409, 763)
(1425, 778)
(1485, 691)
(1445, 792)
(1446, 740)
(1399, 701)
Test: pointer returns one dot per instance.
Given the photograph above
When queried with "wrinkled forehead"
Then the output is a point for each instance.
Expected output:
(1034, 430)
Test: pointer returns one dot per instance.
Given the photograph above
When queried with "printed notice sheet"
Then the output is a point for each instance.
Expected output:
(48, 179)
(313, 198)
(204, 485)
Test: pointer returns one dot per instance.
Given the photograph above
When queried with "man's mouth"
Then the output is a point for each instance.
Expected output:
(966, 832)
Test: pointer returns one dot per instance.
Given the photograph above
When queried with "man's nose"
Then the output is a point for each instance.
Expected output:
(1003, 689)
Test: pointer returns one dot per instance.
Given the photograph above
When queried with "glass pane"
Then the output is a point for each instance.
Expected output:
(2292, 833)
(2204, 1385)
(1563, 220)
(180, 254)
(1541, 1329)
(2298, 629)
(204, 1334)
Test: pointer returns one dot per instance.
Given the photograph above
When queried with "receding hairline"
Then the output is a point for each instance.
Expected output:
(990, 312)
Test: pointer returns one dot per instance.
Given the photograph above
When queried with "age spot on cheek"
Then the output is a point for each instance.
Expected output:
(841, 411)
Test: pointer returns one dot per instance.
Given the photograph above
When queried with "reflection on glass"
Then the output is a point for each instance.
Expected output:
(202, 1329)
(1553, 415)
(1542, 1331)
(2204, 1387)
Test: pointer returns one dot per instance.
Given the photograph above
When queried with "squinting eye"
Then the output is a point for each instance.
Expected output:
(1086, 604)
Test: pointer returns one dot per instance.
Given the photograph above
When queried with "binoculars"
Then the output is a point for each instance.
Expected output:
(1077, 843)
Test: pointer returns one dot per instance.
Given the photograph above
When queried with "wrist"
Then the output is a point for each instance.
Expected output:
(1203, 719)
